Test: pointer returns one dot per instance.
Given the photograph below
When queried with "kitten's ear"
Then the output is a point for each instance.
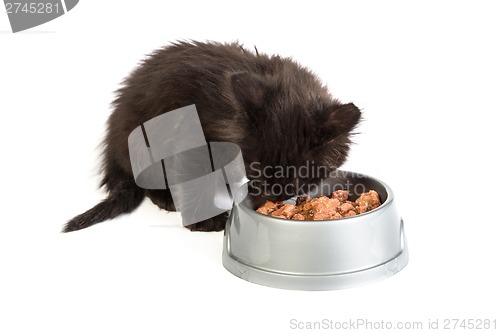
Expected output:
(248, 89)
(342, 119)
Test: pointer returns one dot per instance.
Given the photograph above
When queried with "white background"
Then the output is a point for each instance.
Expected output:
(427, 76)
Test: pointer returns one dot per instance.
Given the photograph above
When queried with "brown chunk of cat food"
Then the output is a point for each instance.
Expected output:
(323, 208)
(337, 216)
(286, 211)
(341, 195)
(267, 208)
(299, 217)
(345, 207)
(334, 207)
(367, 201)
(336, 203)
(350, 213)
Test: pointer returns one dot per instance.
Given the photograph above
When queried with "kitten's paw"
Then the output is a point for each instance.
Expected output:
(217, 223)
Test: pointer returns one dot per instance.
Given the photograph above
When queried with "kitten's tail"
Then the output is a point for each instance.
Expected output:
(118, 202)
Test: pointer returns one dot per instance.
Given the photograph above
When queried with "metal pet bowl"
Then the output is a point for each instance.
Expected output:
(316, 255)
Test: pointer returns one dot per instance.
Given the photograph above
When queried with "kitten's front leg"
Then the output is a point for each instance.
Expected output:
(216, 223)
(162, 198)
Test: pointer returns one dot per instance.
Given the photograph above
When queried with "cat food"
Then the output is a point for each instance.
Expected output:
(336, 206)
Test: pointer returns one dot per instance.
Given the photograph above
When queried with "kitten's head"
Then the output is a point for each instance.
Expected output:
(296, 133)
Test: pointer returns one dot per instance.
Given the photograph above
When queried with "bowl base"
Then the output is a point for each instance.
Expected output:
(316, 282)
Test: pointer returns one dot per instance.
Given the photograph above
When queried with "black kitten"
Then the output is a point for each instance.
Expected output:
(278, 113)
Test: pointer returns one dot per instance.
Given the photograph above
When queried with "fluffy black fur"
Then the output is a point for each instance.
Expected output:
(277, 111)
